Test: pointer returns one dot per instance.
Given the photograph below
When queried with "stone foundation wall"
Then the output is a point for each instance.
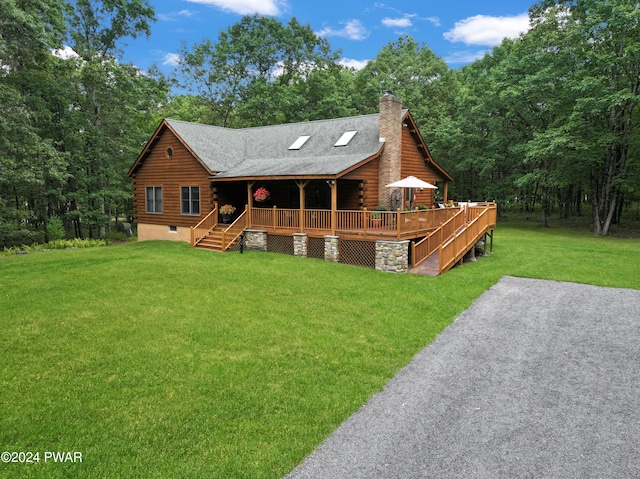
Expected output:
(392, 256)
(331, 249)
(255, 240)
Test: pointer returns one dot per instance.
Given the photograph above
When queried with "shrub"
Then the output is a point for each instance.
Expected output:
(55, 228)
(57, 244)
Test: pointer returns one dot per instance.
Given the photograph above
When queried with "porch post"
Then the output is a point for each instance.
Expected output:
(301, 186)
(333, 184)
(446, 192)
(249, 203)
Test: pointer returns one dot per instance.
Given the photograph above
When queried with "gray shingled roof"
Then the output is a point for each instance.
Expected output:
(264, 151)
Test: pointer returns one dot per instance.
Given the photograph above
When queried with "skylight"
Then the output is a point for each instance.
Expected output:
(299, 142)
(346, 138)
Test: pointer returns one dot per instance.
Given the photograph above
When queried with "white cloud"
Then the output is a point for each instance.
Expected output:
(65, 53)
(171, 59)
(353, 30)
(173, 16)
(486, 30)
(434, 20)
(246, 7)
(403, 22)
(351, 63)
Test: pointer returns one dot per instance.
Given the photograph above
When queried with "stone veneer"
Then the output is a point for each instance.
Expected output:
(331, 248)
(391, 131)
(255, 240)
(300, 244)
(392, 256)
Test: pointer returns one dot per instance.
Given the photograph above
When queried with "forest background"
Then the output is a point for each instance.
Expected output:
(545, 122)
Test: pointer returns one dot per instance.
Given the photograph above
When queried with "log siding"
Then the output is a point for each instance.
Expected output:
(170, 172)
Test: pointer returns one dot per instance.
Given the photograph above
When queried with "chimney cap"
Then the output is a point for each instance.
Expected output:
(388, 92)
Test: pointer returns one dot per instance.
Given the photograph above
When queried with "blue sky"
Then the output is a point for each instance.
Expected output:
(459, 31)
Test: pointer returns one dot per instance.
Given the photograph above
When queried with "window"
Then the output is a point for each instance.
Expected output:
(346, 138)
(190, 200)
(299, 142)
(154, 199)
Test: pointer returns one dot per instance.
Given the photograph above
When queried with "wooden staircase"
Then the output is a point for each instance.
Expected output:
(213, 240)
(210, 235)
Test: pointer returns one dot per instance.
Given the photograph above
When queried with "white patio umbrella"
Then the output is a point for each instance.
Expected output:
(409, 183)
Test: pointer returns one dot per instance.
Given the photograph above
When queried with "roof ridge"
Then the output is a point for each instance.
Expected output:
(280, 125)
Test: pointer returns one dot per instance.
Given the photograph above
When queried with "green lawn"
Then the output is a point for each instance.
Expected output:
(157, 360)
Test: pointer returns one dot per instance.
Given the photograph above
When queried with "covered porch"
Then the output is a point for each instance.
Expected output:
(330, 206)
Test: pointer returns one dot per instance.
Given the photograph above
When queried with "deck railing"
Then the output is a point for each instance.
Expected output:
(453, 249)
(396, 224)
(230, 234)
(428, 245)
(457, 235)
(202, 229)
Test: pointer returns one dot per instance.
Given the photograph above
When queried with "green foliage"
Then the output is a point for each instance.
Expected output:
(97, 27)
(414, 74)
(53, 244)
(250, 75)
(55, 229)
(69, 128)
(545, 119)
(550, 117)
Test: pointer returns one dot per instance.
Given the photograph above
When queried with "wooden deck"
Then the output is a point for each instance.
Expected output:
(439, 237)
(361, 224)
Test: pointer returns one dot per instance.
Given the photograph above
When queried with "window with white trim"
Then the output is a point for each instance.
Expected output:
(154, 199)
(190, 200)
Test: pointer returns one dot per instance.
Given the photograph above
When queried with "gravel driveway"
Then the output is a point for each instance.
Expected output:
(537, 379)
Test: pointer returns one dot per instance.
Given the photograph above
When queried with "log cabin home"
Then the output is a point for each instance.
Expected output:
(315, 189)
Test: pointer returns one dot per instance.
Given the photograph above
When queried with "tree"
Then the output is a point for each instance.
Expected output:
(110, 114)
(412, 72)
(29, 162)
(70, 127)
(102, 120)
(98, 27)
(257, 59)
(602, 42)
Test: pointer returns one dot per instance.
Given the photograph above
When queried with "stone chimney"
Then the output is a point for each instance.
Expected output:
(391, 131)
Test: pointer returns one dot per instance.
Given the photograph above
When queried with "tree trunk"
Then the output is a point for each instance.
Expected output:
(544, 207)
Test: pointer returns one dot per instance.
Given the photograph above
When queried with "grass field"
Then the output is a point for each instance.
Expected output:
(156, 360)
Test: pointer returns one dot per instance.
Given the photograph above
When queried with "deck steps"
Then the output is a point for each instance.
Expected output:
(213, 240)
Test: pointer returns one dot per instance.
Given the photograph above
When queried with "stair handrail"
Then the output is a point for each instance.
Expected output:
(427, 239)
(205, 225)
(235, 229)
(462, 246)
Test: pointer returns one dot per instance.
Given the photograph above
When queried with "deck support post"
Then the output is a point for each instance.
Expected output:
(392, 256)
(255, 240)
(331, 249)
(300, 244)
